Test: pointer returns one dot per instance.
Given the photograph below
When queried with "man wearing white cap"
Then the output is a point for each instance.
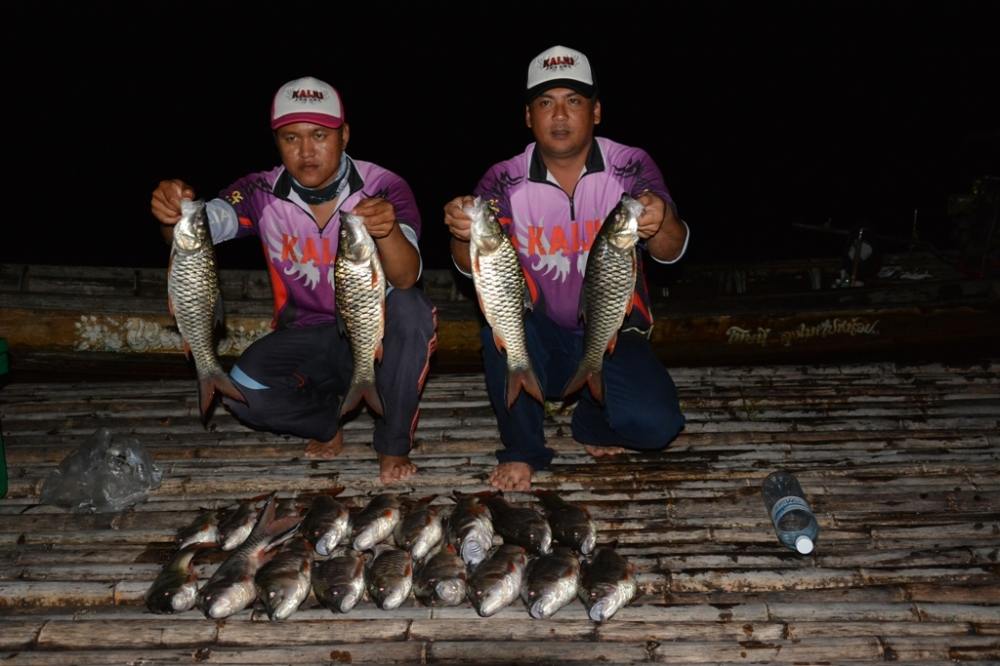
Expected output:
(552, 199)
(295, 377)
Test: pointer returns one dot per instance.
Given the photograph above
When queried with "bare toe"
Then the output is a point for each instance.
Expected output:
(325, 450)
(395, 468)
(604, 451)
(511, 476)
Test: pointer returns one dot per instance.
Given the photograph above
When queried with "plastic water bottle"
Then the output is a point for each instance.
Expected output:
(793, 520)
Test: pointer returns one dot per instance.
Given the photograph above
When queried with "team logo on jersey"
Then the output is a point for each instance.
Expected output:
(235, 197)
(549, 250)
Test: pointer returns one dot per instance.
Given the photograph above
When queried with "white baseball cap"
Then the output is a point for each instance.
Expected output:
(307, 100)
(560, 67)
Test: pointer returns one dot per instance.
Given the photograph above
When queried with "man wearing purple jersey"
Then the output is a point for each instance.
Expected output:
(552, 199)
(295, 377)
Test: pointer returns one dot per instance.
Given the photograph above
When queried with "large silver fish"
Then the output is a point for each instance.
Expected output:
(552, 583)
(420, 529)
(204, 528)
(236, 524)
(231, 588)
(327, 523)
(499, 281)
(442, 580)
(339, 583)
(376, 521)
(607, 585)
(522, 526)
(193, 299)
(360, 290)
(470, 528)
(283, 583)
(176, 587)
(390, 577)
(497, 581)
(606, 297)
(571, 525)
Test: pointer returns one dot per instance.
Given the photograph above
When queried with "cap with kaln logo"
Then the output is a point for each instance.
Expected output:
(560, 67)
(307, 100)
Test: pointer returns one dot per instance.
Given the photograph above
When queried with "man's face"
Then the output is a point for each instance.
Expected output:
(562, 121)
(312, 153)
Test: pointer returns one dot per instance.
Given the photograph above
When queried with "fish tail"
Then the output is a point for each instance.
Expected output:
(365, 391)
(523, 379)
(579, 380)
(208, 385)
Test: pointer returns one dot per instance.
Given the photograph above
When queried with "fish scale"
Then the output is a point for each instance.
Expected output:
(608, 285)
(360, 292)
(499, 282)
(193, 291)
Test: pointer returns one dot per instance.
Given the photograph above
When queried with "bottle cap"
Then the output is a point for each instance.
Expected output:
(804, 544)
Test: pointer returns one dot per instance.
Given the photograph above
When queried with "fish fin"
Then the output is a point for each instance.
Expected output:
(225, 386)
(595, 382)
(578, 381)
(207, 388)
(531, 289)
(612, 343)
(368, 393)
(632, 303)
(206, 396)
(374, 271)
(270, 527)
(341, 326)
(378, 353)
(523, 379)
(499, 342)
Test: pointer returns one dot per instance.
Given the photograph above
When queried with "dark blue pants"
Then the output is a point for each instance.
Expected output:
(641, 410)
(294, 378)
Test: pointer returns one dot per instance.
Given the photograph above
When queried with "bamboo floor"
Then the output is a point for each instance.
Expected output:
(901, 465)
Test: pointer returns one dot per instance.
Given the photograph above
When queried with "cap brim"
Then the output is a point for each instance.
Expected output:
(587, 90)
(315, 118)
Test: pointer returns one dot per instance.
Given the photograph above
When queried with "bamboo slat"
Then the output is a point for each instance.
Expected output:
(900, 462)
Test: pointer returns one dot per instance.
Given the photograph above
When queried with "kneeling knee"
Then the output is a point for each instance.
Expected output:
(655, 429)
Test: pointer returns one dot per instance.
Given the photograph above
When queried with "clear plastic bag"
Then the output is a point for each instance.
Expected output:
(106, 474)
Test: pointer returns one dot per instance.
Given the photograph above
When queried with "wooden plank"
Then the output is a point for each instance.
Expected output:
(785, 651)
(332, 652)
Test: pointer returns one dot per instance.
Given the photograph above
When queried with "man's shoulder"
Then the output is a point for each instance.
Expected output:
(517, 163)
(371, 172)
(508, 173)
(624, 162)
(614, 151)
(246, 186)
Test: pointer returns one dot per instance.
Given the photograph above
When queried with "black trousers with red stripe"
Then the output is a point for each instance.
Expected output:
(295, 378)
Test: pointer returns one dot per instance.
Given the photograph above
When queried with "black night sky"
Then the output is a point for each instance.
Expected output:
(760, 114)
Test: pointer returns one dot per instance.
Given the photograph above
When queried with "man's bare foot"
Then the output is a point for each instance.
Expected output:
(604, 451)
(395, 468)
(511, 476)
(325, 450)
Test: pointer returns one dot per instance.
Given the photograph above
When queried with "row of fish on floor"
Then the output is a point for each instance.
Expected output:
(395, 545)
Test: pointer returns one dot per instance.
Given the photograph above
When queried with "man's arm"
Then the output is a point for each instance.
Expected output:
(459, 225)
(166, 205)
(400, 259)
(664, 232)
